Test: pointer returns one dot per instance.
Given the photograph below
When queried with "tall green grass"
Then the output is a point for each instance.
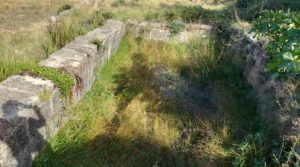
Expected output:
(125, 114)
(75, 25)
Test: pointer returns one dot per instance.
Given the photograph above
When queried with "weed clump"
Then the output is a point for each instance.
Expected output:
(62, 80)
(176, 26)
(98, 43)
(66, 30)
(64, 8)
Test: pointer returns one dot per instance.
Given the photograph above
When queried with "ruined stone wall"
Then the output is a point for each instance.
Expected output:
(275, 97)
(31, 108)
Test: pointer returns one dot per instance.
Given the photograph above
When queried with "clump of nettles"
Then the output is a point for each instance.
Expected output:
(176, 26)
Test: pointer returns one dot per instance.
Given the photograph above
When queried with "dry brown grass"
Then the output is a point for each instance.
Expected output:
(23, 24)
(23, 31)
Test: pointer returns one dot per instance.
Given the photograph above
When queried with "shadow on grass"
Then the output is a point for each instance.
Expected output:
(111, 151)
(171, 98)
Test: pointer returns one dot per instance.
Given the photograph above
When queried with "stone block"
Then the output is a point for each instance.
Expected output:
(81, 65)
(81, 56)
(28, 110)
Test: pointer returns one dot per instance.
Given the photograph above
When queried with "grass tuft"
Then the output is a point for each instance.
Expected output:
(64, 8)
(62, 80)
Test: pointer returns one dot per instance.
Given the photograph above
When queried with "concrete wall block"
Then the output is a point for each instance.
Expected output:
(28, 106)
(81, 56)
(77, 63)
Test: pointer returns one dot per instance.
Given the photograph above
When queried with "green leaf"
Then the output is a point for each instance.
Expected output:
(288, 56)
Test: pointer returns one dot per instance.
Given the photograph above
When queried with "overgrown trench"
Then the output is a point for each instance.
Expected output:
(163, 104)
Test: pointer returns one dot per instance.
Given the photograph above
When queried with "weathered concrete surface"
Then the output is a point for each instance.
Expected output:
(161, 31)
(81, 56)
(275, 97)
(30, 110)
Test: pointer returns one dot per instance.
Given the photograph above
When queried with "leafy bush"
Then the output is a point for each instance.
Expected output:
(250, 152)
(282, 31)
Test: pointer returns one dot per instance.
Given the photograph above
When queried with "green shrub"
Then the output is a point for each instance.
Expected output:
(250, 152)
(282, 31)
